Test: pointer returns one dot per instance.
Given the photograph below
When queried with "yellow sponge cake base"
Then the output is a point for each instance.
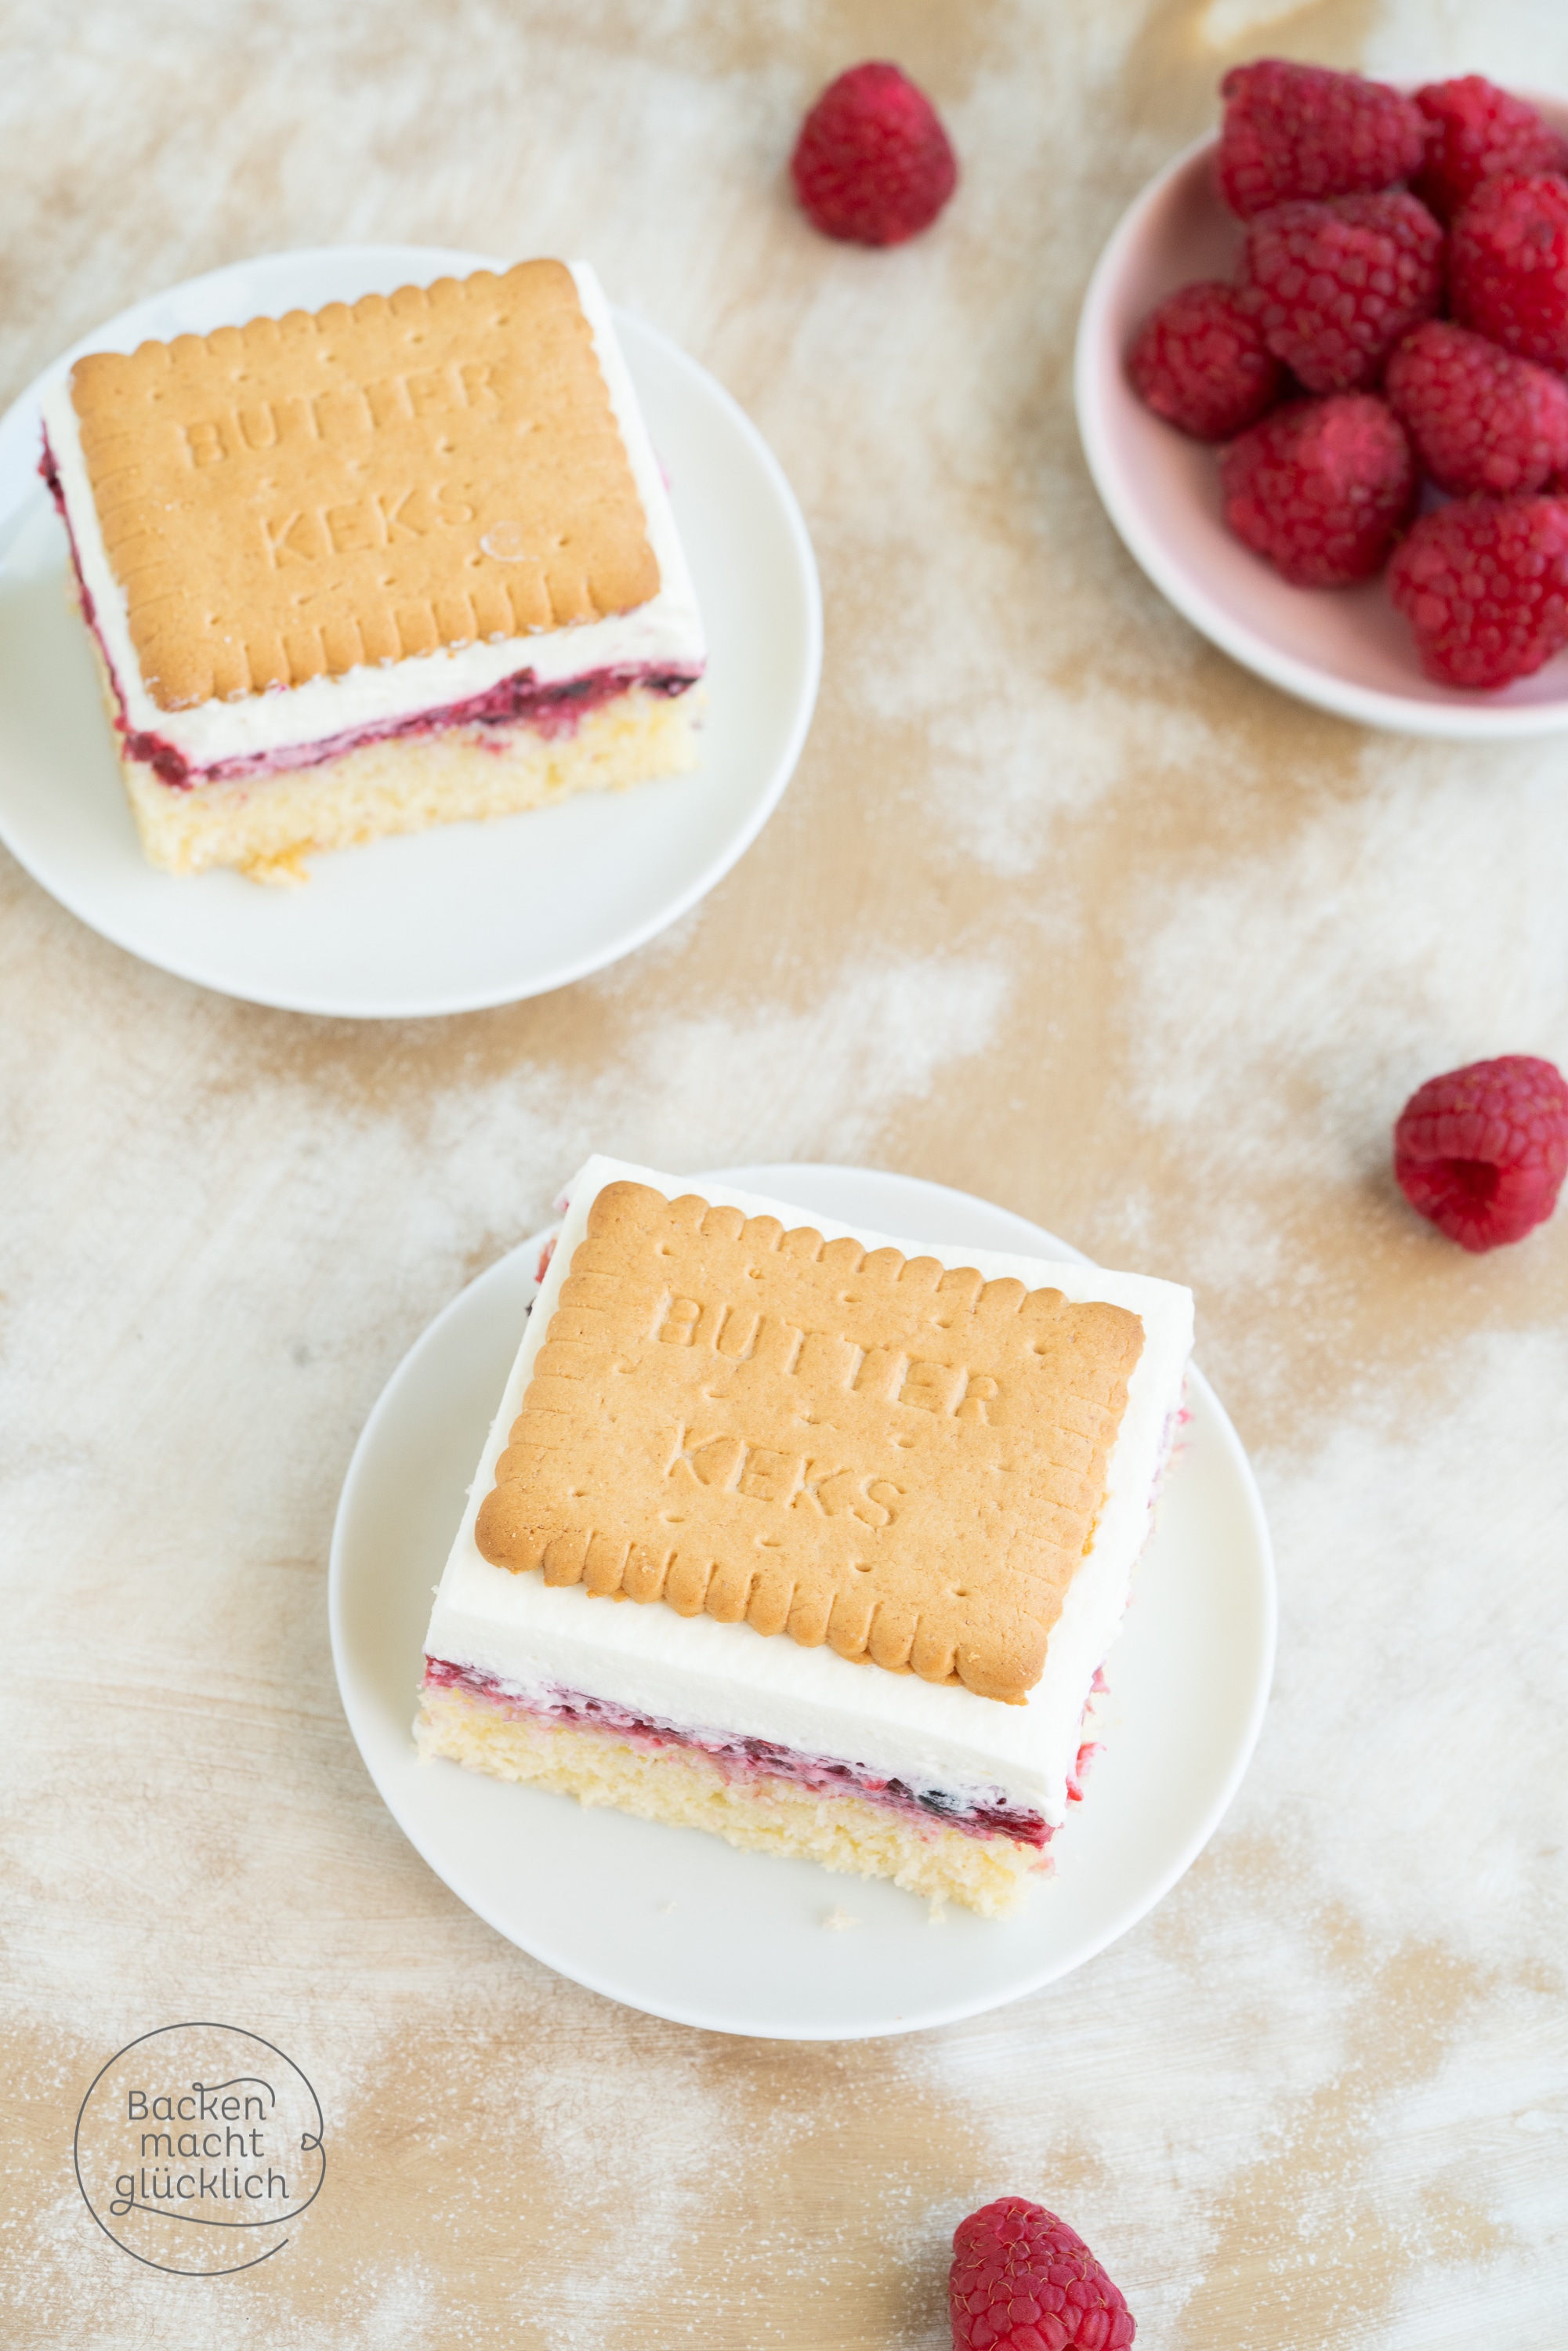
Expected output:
(268, 825)
(687, 1788)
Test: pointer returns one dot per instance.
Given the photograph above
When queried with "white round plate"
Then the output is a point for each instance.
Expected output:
(1345, 649)
(463, 915)
(682, 1925)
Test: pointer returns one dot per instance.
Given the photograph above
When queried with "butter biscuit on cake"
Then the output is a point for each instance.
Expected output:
(860, 1448)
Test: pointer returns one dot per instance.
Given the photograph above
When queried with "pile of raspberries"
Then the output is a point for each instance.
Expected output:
(1388, 371)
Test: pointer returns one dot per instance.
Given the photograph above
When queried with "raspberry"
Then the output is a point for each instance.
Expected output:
(1480, 419)
(1022, 2279)
(1508, 267)
(873, 164)
(1300, 131)
(1320, 487)
(1482, 1151)
(1200, 363)
(1334, 286)
(1474, 130)
(1484, 585)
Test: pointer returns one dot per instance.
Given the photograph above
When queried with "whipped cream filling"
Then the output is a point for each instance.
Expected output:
(664, 635)
(536, 1639)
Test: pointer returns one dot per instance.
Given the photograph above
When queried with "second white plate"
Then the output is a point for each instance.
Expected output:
(466, 915)
(677, 1923)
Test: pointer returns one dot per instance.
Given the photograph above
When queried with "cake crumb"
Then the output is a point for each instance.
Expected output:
(838, 1919)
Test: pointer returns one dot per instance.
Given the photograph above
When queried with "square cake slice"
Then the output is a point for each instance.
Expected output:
(876, 1514)
(392, 564)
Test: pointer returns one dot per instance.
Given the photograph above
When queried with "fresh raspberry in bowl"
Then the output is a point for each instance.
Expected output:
(1199, 534)
(1022, 2279)
(1481, 1152)
(1334, 286)
(1303, 130)
(872, 165)
(1320, 487)
(1200, 362)
(1484, 586)
(1508, 265)
(1474, 130)
(1482, 422)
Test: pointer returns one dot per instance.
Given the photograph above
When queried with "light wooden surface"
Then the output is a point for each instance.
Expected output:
(1061, 908)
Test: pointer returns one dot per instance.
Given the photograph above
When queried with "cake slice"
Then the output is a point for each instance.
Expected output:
(876, 1515)
(393, 564)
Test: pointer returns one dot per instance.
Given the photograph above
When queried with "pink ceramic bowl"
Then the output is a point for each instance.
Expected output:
(1345, 649)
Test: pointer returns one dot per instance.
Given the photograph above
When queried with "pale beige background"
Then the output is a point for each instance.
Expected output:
(1061, 908)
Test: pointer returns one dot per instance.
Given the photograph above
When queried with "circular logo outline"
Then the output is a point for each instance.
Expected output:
(315, 2142)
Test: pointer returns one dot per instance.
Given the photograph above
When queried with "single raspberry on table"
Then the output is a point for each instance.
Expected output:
(1481, 1152)
(872, 165)
(1320, 487)
(1474, 130)
(1482, 421)
(1484, 585)
(1334, 286)
(1022, 2279)
(1301, 130)
(1508, 265)
(1200, 362)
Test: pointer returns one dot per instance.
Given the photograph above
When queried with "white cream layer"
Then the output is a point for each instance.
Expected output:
(691, 1670)
(666, 632)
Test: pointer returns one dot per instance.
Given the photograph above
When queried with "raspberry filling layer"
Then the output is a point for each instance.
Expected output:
(983, 1814)
(554, 711)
